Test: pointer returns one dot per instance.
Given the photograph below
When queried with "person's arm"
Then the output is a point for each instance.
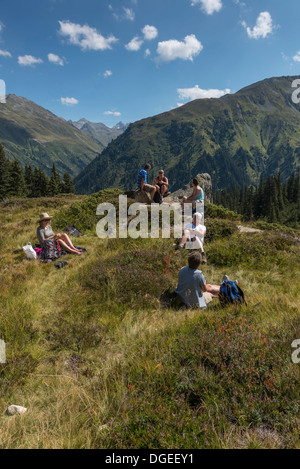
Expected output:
(202, 282)
(195, 193)
(201, 233)
(166, 182)
(142, 184)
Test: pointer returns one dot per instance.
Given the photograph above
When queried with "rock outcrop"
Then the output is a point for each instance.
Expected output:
(204, 181)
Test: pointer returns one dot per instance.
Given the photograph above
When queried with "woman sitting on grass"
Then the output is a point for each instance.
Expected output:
(45, 233)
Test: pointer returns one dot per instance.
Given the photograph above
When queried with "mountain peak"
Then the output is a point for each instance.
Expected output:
(100, 131)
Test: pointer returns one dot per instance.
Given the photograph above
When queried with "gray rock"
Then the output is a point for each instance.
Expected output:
(143, 198)
(15, 410)
(204, 181)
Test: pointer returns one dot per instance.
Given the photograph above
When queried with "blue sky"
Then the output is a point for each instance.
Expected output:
(112, 60)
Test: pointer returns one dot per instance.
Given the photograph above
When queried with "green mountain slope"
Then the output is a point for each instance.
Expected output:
(236, 139)
(37, 137)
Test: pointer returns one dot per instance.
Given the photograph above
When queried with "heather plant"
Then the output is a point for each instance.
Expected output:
(100, 361)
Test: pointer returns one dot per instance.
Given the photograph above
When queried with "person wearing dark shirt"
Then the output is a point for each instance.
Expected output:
(161, 182)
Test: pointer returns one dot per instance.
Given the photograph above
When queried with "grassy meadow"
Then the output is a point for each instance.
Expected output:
(102, 358)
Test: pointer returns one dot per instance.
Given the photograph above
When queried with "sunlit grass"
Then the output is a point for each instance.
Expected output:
(100, 363)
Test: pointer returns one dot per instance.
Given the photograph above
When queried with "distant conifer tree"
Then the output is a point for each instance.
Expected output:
(4, 173)
(55, 182)
(16, 184)
(40, 183)
(28, 174)
(68, 184)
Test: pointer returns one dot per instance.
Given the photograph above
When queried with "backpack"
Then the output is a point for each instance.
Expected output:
(157, 198)
(231, 293)
(51, 250)
(72, 230)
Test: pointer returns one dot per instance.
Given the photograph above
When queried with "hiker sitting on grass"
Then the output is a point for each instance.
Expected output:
(192, 287)
(194, 232)
(161, 182)
(197, 195)
(143, 184)
(45, 233)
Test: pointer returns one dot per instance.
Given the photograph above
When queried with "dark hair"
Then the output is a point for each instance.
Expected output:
(194, 260)
(147, 166)
(195, 182)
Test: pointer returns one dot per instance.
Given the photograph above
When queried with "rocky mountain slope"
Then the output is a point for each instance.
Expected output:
(37, 137)
(236, 139)
(99, 131)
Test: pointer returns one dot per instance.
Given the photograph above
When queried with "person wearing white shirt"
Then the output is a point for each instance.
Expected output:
(194, 233)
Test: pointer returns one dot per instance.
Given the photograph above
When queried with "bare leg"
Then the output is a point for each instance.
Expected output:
(185, 238)
(213, 290)
(67, 248)
(152, 193)
(163, 190)
(64, 237)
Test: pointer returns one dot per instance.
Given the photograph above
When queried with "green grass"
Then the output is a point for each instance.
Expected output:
(100, 361)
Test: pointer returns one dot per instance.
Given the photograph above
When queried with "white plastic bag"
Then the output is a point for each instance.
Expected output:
(29, 251)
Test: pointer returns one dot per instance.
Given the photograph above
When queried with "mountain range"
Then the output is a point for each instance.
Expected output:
(38, 138)
(100, 132)
(236, 139)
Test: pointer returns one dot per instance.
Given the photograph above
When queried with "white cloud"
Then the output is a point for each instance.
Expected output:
(296, 57)
(28, 60)
(69, 101)
(208, 6)
(55, 59)
(85, 36)
(5, 53)
(199, 93)
(112, 113)
(150, 32)
(173, 49)
(107, 73)
(147, 52)
(264, 26)
(129, 14)
(135, 44)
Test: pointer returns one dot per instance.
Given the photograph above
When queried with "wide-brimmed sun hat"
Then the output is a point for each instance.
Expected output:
(43, 217)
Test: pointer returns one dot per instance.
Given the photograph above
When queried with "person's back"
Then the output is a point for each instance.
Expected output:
(142, 175)
(191, 283)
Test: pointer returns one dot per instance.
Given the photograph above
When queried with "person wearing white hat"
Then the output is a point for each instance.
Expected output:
(45, 233)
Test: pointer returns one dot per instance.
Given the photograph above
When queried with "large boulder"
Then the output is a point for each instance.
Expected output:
(143, 198)
(204, 181)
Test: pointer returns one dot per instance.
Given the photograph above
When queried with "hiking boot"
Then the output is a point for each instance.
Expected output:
(204, 259)
(60, 264)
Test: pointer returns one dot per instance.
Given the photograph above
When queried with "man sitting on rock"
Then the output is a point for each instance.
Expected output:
(143, 184)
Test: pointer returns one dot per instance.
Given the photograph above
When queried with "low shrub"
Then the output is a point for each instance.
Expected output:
(82, 214)
(218, 211)
(247, 249)
(220, 372)
(135, 277)
(219, 229)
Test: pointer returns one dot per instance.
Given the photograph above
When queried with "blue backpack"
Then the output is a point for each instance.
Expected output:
(231, 294)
